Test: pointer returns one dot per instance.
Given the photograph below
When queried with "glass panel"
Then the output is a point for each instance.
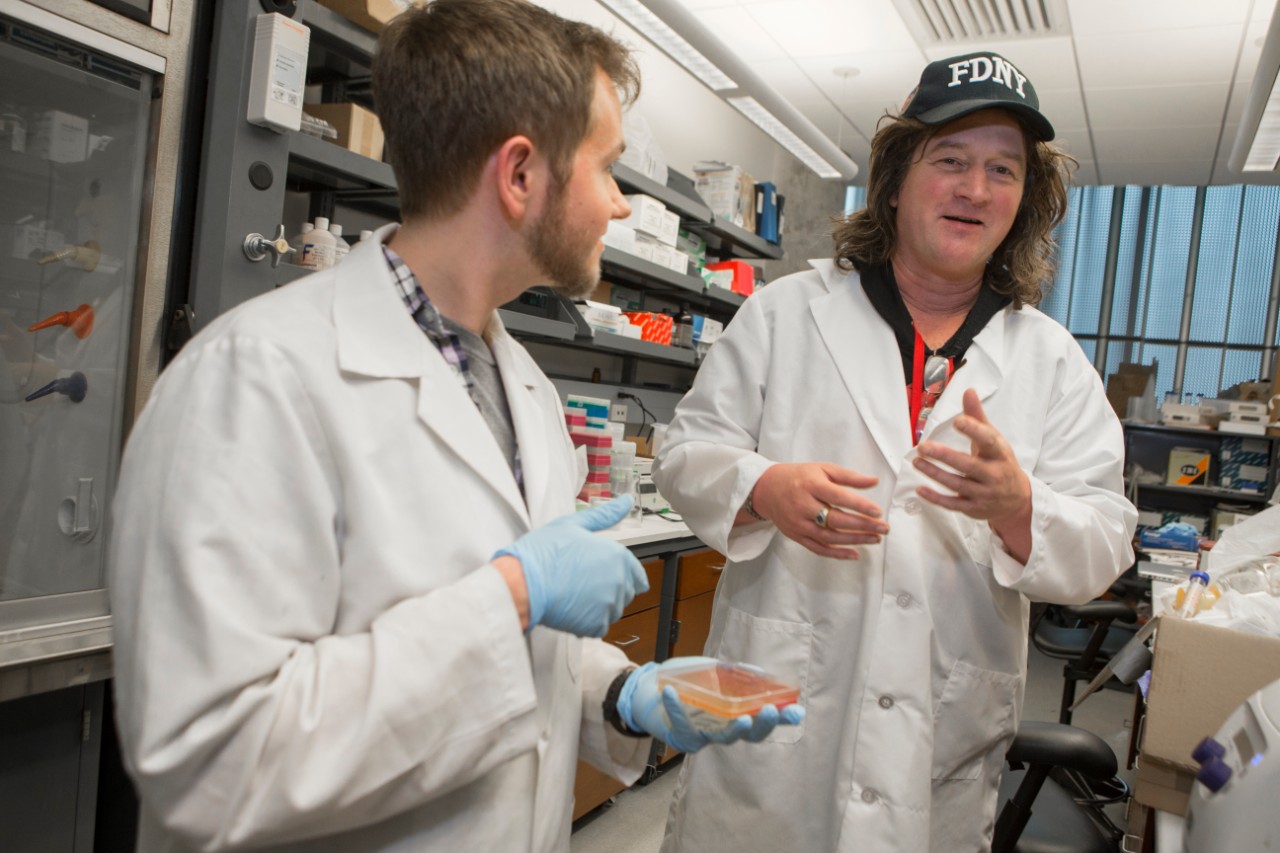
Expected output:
(1166, 280)
(1057, 303)
(1090, 259)
(1240, 366)
(72, 150)
(1202, 376)
(1123, 316)
(1216, 264)
(1255, 262)
(855, 198)
(1090, 347)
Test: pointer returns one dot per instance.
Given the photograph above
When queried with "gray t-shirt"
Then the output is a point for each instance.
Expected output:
(489, 394)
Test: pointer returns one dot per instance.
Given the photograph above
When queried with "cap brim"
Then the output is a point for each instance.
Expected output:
(959, 109)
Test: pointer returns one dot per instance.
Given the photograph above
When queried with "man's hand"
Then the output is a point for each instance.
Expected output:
(791, 495)
(644, 706)
(988, 482)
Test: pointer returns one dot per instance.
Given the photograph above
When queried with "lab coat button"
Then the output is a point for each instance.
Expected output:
(904, 600)
(886, 702)
(869, 795)
(912, 506)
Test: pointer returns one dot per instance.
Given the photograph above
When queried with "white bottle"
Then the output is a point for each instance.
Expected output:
(365, 235)
(340, 246)
(298, 242)
(317, 251)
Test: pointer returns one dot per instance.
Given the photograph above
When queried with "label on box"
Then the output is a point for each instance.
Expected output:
(1188, 467)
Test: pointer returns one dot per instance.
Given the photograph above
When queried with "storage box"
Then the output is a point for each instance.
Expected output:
(1187, 467)
(647, 216)
(358, 129)
(728, 191)
(1199, 675)
(744, 275)
(767, 211)
(1242, 464)
(655, 328)
(621, 237)
(61, 137)
(373, 15)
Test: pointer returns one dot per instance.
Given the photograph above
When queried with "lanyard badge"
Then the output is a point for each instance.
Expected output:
(929, 377)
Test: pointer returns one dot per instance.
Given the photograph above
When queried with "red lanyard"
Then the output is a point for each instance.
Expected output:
(915, 397)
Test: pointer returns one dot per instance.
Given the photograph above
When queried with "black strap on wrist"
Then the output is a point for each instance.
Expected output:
(611, 705)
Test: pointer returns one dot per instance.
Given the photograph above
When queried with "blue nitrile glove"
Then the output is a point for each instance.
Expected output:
(579, 582)
(645, 708)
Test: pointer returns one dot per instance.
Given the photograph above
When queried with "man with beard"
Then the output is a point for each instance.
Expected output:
(350, 591)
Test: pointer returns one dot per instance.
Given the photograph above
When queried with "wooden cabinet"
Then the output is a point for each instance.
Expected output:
(695, 590)
(636, 633)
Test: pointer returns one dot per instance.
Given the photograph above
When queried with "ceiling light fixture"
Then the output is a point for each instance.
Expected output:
(676, 32)
(1257, 145)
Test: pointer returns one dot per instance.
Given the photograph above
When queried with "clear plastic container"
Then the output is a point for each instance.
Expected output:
(1188, 605)
(719, 692)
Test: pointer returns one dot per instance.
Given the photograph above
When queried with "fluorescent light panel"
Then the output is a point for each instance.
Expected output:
(654, 29)
(766, 121)
(1264, 153)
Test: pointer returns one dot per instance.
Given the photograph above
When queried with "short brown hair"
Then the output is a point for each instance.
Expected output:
(454, 79)
(1022, 266)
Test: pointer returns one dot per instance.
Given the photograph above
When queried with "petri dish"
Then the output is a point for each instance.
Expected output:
(727, 689)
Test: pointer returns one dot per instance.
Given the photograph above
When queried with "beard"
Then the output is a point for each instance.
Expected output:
(572, 268)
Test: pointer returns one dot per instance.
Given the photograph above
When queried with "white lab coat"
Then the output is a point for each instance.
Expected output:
(911, 660)
(312, 649)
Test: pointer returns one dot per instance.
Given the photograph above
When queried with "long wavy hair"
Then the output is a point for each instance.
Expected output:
(1022, 265)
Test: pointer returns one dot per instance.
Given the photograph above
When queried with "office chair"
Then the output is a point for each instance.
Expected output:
(1086, 637)
(1044, 812)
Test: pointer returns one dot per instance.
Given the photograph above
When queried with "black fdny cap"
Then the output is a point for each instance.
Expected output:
(955, 87)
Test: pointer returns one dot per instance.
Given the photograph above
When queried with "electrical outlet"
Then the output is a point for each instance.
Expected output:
(618, 412)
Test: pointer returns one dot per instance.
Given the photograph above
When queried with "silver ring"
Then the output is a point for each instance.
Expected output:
(821, 517)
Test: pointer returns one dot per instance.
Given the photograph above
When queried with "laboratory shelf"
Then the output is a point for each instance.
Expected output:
(647, 273)
(333, 31)
(327, 166)
(689, 209)
(521, 324)
(623, 345)
(1205, 491)
(743, 242)
(728, 298)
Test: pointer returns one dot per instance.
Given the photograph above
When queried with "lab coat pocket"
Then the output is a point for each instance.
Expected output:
(973, 714)
(780, 648)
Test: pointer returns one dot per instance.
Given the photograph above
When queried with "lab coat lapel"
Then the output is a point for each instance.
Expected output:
(377, 337)
(866, 355)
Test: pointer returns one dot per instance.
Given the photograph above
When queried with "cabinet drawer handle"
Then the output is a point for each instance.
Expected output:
(719, 568)
(622, 644)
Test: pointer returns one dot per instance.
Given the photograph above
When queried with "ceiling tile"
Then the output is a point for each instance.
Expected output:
(1133, 144)
(1064, 109)
(1167, 58)
(1158, 106)
(825, 27)
(741, 33)
(885, 77)
(1095, 17)
(1086, 175)
(1183, 173)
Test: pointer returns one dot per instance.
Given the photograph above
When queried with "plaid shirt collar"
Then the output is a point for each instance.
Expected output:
(428, 318)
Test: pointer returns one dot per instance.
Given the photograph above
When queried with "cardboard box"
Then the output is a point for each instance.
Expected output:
(1187, 467)
(358, 129)
(1199, 675)
(373, 15)
(744, 275)
(1129, 380)
(655, 328)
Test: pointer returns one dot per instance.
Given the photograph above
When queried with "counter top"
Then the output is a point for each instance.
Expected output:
(651, 529)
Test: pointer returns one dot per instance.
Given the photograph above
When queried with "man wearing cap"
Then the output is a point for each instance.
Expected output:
(897, 452)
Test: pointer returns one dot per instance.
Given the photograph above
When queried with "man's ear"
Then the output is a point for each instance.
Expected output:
(521, 175)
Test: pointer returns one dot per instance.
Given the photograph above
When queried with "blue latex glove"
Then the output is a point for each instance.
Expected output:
(645, 708)
(579, 582)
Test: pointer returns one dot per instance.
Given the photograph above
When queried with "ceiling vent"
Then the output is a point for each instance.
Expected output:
(941, 22)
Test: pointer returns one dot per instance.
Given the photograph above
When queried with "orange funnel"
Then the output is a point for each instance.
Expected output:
(79, 319)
